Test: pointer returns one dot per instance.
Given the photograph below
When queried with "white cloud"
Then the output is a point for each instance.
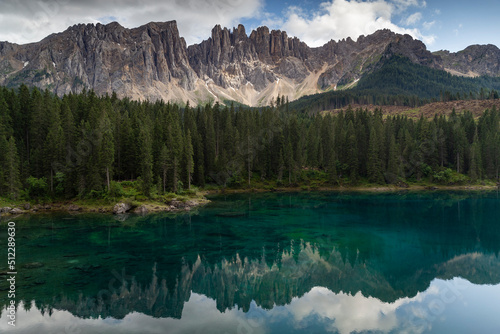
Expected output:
(26, 21)
(270, 20)
(325, 310)
(351, 313)
(457, 30)
(428, 25)
(343, 18)
(402, 5)
(413, 19)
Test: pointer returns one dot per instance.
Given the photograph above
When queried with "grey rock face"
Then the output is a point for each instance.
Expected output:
(153, 61)
(473, 60)
(105, 58)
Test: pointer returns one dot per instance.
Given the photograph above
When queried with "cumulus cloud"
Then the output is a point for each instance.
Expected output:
(340, 19)
(351, 313)
(404, 4)
(413, 19)
(26, 21)
(321, 308)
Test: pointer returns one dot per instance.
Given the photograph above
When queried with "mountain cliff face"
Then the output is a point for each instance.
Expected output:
(153, 62)
(473, 61)
(142, 63)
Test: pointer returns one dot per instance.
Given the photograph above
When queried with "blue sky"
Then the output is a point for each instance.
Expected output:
(447, 24)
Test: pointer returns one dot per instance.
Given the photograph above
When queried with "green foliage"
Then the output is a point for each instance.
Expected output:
(36, 187)
(60, 180)
(398, 81)
(448, 176)
(101, 147)
(116, 190)
(399, 76)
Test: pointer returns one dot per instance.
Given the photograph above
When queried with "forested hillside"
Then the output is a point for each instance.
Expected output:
(84, 146)
(398, 81)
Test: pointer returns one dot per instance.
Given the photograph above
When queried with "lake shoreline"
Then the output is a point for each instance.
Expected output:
(387, 188)
(75, 207)
(175, 206)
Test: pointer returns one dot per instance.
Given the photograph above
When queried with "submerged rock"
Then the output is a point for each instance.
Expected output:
(33, 265)
(121, 217)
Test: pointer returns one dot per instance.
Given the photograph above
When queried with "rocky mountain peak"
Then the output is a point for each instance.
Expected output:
(415, 50)
(153, 61)
(475, 60)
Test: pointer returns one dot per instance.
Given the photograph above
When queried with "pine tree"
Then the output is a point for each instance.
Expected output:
(176, 147)
(209, 142)
(332, 164)
(11, 169)
(289, 161)
(374, 163)
(164, 163)
(475, 169)
(281, 165)
(351, 152)
(54, 150)
(188, 155)
(106, 148)
(460, 143)
(146, 158)
(5, 119)
(393, 169)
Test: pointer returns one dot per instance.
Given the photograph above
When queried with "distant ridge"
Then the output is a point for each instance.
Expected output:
(153, 62)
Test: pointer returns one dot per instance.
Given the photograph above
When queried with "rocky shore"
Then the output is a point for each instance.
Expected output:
(124, 207)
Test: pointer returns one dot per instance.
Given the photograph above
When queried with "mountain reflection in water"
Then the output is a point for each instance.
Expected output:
(326, 263)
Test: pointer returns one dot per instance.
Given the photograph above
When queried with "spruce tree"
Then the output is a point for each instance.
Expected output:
(188, 156)
(146, 158)
(11, 169)
(106, 148)
(351, 152)
(475, 167)
(393, 163)
(164, 164)
(374, 163)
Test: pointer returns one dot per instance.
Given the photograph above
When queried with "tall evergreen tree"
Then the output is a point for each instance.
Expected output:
(146, 158)
(106, 153)
(11, 169)
(188, 156)
(475, 169)
(393, 162)
(374, 164)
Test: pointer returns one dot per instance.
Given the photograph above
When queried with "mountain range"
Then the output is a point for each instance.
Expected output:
(154, 62)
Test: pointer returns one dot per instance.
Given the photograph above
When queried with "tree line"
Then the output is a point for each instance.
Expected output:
(82, 145)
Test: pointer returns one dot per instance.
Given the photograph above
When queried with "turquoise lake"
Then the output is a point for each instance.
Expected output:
(307, 262)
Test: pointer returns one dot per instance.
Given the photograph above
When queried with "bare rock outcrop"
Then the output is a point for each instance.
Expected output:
(121, 208)
(153, 62)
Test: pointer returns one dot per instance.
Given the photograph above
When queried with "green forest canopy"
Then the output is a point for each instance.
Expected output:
(83, 144)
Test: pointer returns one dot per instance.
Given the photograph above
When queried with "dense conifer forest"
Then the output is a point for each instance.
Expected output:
(86, 146)
(398, 81)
